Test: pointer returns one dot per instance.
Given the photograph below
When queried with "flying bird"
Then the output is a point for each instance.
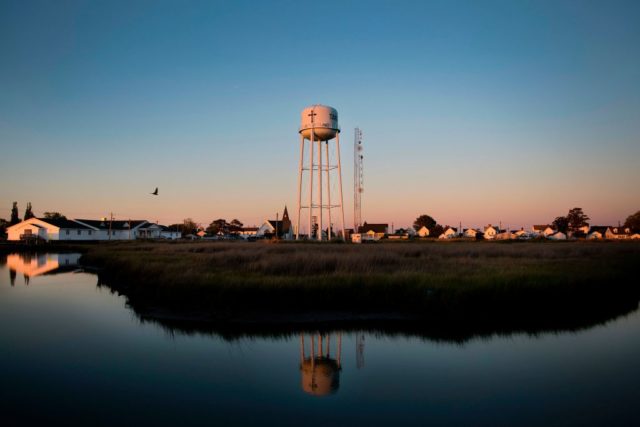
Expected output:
(155, 193)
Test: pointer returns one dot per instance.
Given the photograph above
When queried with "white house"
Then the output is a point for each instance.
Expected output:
(542, 230)
(505, 235)
(597, 232)
(85, 229)
(370, 232)
(113, 230)
(169, 233)
(558, 235)
(618, 233)
(470, 233)
(423, 232)
(520, 234)
(449, 233)
(490, 232)
(51, 229)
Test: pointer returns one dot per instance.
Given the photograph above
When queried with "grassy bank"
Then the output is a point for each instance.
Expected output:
(457, 281)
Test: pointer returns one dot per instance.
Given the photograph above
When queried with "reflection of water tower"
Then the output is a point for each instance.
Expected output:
(319, 125)
(320, 372)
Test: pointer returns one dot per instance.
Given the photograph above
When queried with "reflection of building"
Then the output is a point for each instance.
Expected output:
(31, 265)
(320, 372)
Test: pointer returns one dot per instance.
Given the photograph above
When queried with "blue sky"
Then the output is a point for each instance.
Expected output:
(472, 111)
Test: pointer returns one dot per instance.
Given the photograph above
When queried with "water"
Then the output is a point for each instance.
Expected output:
(72, 353)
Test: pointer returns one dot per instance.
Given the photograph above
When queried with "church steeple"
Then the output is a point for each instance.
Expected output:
(286, 222)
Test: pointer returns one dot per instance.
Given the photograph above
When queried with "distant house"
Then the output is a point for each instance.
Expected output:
(50, 229)
(505, 235)
(271, 227)
(370, 232)
(597, 232)
(113, 230)
(558, 235)
(169, 233)
(542, 230)
(423, 232)
(520, 234)
(449, 233)
(149, 230)
(470, 233)
(490, 232)
(247, 232)
(618, 233)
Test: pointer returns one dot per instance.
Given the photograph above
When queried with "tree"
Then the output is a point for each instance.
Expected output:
(3, 227)
(28, 213)
(561, 223)
(424, 221)
(15, 218)
(54, 215)
(236, 223)
(633, 222)
(576, 219)
(437, 231)
(218, 226)
(189, 227)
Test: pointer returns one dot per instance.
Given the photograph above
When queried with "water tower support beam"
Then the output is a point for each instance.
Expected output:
(311, 185)
(340, 184)
(319, 190)
(326, 146)
(300, 185)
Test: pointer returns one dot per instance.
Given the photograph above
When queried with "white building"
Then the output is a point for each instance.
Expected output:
(558, 235)
(51, 229)
(449, 233)
(423, 232)
(87, 229)
(542, 230)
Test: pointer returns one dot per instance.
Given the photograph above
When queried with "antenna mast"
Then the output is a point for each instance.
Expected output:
(358, 179)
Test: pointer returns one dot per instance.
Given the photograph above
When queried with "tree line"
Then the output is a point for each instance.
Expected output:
(218, 226)
(573, 221)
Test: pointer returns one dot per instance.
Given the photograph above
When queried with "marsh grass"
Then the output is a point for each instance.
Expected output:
(456, 279)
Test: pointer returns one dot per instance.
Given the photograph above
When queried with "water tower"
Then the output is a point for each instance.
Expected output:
(319, 126)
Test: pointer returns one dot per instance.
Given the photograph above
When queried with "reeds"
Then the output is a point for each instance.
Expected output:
(455, 278)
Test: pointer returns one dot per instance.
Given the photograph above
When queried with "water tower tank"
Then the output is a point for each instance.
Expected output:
(322, 119)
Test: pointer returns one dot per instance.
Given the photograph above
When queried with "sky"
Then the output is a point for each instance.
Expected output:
(477, 112)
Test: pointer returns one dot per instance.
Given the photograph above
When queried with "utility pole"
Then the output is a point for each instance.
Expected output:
(277, 213)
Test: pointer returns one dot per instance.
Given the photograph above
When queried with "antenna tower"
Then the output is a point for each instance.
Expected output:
(358, 179)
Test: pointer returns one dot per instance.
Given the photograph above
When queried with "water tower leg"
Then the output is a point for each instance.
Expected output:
(326, 146)
(311, 185)
(300, 185)
(340, 184)
(319, 190)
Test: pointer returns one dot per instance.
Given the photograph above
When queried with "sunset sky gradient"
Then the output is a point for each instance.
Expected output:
(472, 111)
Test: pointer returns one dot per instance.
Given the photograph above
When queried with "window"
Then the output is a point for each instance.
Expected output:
(89, 232)
(79, 232)
(66, 232)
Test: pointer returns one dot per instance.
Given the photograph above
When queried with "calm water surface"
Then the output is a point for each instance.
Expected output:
(72, 353)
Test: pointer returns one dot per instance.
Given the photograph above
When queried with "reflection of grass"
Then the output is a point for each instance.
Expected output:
(450, 279)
